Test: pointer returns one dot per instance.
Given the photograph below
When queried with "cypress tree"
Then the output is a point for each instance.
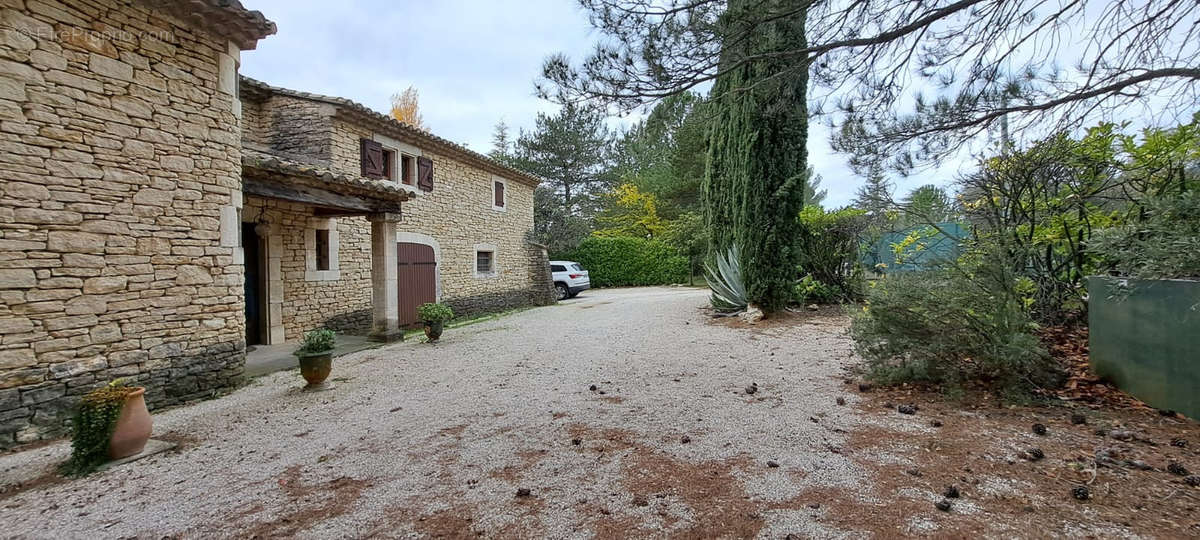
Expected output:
(754, 182)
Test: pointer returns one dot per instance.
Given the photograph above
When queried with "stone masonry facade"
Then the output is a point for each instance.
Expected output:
(342, 304)
(134, 160)
(120, 157)
(457, 217)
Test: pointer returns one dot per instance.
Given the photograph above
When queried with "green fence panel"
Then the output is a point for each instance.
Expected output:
(1145, 338)
(941, 244)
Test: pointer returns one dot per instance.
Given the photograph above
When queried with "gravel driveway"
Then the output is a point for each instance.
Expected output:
(436, 440)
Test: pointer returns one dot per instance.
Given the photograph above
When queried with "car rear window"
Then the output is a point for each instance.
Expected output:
(558, 268)
(576, 267)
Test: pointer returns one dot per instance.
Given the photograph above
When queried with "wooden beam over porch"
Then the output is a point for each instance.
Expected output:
(325, 201)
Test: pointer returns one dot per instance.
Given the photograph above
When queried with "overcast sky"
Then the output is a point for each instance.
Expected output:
(473, 62)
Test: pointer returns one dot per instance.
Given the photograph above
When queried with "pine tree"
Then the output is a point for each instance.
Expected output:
(571, 152)
(754, 185)
(813, 194)
(875, 196)
(501, 143)
(927, 204)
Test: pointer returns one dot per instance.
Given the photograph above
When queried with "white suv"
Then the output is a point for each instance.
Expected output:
(570, 279)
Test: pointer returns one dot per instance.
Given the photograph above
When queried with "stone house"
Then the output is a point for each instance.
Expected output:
(156, 210)
(461, 240)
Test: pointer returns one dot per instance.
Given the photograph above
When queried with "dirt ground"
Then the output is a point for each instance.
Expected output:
(624, 413)
(989, 454)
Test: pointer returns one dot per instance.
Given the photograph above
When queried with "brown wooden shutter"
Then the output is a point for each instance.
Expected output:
(499, 193)
(372, 159)
(425, 173)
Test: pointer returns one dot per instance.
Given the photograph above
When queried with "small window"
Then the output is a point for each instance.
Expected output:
(498, 191)
(408, 169)
(389, 164)
(484, 263)
(558, 268)
(322, 249)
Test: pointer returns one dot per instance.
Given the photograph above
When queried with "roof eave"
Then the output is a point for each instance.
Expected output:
(226, 18)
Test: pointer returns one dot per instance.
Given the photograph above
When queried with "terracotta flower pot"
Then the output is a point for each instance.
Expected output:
(315, 367)
(433, 330)
(134, 426)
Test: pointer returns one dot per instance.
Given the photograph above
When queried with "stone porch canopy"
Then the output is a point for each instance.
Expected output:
(359, 114)
(339, 195)
(269, 175)
(226, 18)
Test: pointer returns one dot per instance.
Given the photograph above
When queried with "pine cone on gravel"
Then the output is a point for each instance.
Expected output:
(1034, 454)
(1039, 429)
(906, 409)
(1193, 481)
(1179, 442)
(1177, 469)
(951, 492)
(943, 505)
(1081, 493)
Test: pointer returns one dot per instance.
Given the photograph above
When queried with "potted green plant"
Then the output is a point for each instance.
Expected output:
(434, 317)
(316, 357)
(112, 422)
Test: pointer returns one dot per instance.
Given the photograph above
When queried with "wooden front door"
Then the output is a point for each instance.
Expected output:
(417, 278)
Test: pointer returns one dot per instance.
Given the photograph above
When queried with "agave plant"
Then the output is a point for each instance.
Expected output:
(728, 289)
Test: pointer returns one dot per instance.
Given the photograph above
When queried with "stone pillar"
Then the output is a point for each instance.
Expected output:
(385, 292)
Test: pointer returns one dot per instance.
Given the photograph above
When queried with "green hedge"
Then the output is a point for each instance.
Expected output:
(628, 261)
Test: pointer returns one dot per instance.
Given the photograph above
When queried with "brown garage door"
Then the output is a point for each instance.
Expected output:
(417, 277)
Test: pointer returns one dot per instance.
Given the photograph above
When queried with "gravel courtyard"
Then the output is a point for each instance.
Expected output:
(436, 440)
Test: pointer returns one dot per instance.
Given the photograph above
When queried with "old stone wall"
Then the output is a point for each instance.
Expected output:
(255, 124)
(299, 128)
(120, 157)
(339, 299)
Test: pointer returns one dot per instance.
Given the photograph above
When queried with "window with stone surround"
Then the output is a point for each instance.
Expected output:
(499, 194)
(321, 250)
(389, 163)
(399, 159)
(408, 169)
(485, 261)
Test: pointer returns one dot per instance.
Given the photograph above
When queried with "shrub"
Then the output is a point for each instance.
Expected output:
(318, 341)
(828, 247)
(725, 280)
(432, 313)
(627, 261)
(953, 325)
(811, 291)
(1164, 245)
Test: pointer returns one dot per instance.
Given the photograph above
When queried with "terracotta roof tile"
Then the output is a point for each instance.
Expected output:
(257, 159)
